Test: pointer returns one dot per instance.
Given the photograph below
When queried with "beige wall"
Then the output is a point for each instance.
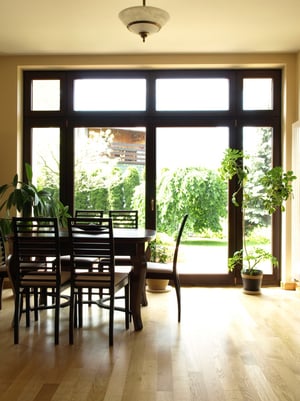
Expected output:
(11, 97)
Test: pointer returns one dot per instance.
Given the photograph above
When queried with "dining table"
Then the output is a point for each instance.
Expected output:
(130, 242)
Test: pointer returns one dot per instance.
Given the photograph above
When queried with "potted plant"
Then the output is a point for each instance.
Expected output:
(270, 190)
(27, 200)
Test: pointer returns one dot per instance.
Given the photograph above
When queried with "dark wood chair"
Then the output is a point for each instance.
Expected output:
(84, 213)
(166, 271)
(35, 268)
(3, 267)
(94, 239)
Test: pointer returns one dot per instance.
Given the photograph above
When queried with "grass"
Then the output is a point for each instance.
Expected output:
(204, 242)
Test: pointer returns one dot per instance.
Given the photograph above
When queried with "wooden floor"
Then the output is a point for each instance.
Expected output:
(229, 346)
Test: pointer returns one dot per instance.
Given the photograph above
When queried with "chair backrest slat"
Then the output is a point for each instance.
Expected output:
(124, 218)
(89, 213)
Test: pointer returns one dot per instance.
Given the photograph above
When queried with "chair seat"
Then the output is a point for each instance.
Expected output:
(66, 260)
(89, 280)
(123, 269)
(122, 259)
(155, 267)
(47, 280)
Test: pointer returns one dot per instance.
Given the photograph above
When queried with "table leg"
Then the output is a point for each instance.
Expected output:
(137, 284)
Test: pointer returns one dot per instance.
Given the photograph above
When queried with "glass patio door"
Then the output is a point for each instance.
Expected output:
(187, 181)
(257, 145)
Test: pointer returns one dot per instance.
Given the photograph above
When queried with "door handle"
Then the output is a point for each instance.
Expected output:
(152, 205)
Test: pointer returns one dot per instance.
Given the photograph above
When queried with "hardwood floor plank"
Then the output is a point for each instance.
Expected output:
(228, 347)
(46, 392)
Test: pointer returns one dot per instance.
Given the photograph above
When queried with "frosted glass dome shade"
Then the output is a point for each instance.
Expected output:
(144, 20)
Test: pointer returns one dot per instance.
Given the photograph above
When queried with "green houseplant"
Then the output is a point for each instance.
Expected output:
(270, 191)
(24, 198)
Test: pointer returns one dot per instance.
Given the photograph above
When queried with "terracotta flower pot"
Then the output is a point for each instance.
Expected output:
(157, 285)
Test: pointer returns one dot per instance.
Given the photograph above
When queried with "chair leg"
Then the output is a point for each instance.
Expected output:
(71, 316)
(27, 306)
(1, 288)
(36, 304)
(177, 288)
(79, 306)
(17, 316)
(57, 316)
(111, 320)
(127, 307)
(75, 311)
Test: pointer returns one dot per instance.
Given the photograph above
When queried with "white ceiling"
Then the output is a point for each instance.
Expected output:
(195, 26)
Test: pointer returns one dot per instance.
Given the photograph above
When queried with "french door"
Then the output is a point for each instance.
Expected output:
(187, 160)
(90, 133)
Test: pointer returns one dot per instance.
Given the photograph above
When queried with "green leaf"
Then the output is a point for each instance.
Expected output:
(15, 181)
(28, 170)
(3, 189)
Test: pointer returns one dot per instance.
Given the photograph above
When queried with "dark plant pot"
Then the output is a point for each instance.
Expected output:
(252, 283)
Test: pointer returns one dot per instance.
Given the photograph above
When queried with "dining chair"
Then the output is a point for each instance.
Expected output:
(94, 239)
(167, 271)
(84, 213)
(89, 213)
(35, 268)
(3, 267)
(124, 218)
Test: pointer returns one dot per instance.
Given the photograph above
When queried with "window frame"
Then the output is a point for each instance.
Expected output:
(234, 118)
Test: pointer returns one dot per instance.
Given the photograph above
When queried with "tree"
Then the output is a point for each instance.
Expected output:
(258, 165)
(116, 190)
(131, 179)
(197, 191)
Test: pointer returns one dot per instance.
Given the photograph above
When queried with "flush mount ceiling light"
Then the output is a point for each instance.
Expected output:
(144, 20)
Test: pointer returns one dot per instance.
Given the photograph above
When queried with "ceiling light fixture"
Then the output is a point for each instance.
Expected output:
(144, 20)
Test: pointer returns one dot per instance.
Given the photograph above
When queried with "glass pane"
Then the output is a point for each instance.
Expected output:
(188, 160)
(192, 94)
(45, 95)
(45, 157)
(109, 94)
(109, 169)
(257, 94)
(257, 142)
